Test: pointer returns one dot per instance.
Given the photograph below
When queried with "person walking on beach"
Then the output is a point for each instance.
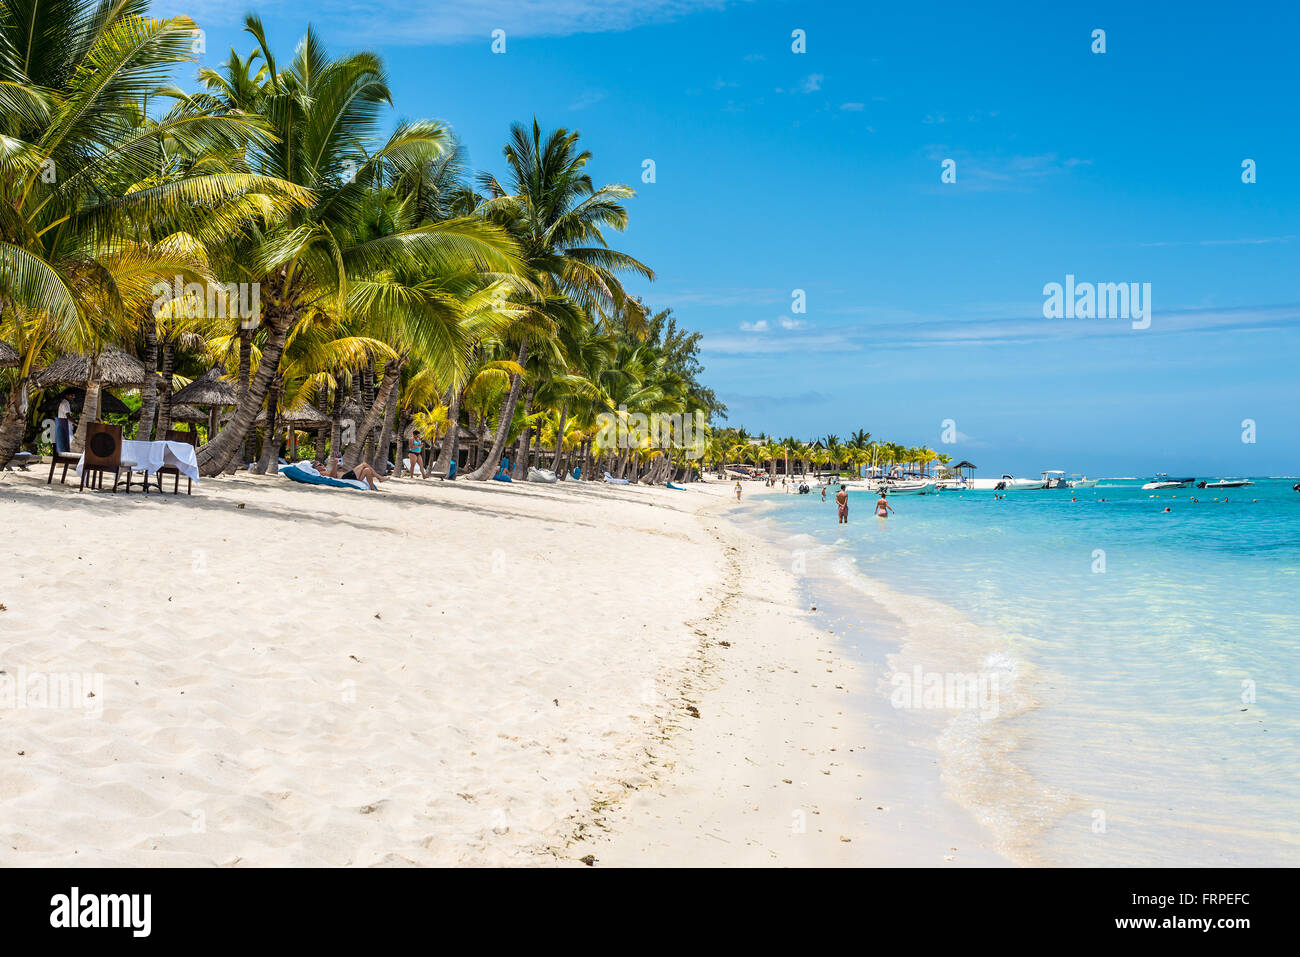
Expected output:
(842, 501)
(738, 491)
(883, 508)
(417, 453)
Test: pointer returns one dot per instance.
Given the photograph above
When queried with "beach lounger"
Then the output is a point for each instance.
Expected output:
(676, 488)
(613, 481)
(309, 476)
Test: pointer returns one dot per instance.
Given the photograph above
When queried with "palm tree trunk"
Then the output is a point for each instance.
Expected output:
(365, 433)
(525, 437)
(386, 434)
(89, 408)
(13, 425)
(165, 399)
(149, 392)
(559, 437)
(214, 455)
(447, 452)
(488, 467)
(271, 438)
(241, 389)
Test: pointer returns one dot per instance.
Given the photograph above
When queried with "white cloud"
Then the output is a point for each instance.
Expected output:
(759, 326)
(395, 22)
(590, 98)
(853, 107)
(812, 83)
(788, 322)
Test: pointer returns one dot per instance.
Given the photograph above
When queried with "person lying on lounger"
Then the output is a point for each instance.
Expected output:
(361, 472)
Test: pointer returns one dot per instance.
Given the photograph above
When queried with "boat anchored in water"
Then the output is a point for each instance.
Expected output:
(1226, 483)
(1163, 481)
(1082, 482)
(1009, 483)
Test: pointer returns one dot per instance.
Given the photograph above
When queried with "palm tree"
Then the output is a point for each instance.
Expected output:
(86, 184)
(325, 258)
(556, 215)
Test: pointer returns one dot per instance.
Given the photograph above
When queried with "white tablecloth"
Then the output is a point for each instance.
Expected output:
(151, 456)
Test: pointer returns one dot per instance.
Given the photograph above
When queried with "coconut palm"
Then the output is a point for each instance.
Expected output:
(324, 114)
(85, 185)
(556, 214)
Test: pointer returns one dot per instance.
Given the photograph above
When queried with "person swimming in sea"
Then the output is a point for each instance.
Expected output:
(824, 488)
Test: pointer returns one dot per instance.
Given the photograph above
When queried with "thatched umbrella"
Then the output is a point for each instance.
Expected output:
(188, 413)
(113, 368)
(302, 416)
(9, 356)
(210, 390)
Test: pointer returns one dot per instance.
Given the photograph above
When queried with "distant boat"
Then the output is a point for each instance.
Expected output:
(1054, 479)
(1226, 483)
(1009, 483)
(1163, 481)
(1082, 482)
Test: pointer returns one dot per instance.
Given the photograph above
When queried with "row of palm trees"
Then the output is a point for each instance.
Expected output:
(830, 453)
(395, 290)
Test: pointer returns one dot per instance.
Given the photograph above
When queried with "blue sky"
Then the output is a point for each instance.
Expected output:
(820, 171)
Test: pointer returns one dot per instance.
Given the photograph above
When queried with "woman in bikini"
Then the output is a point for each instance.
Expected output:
(417, 453)
(883, 508)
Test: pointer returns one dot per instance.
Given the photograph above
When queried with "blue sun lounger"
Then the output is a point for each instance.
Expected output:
(295, 474)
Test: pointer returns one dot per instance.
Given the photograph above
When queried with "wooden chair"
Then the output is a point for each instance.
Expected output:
(103, 454)
(189, 438)
(64, 457)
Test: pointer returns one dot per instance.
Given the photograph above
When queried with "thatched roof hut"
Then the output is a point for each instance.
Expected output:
(9, 355)
(113, 368)
(209, 389)
(301, 415)
(188, 413)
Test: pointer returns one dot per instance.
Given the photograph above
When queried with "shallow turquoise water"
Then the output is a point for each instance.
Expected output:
(1155, 659)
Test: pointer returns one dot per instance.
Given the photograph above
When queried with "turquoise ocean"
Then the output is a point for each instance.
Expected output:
(1140, 669)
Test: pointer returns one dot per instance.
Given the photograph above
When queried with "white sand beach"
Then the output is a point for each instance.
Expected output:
(437, 674)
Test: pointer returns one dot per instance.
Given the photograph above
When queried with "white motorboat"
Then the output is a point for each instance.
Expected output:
(1082, 482)
(1009, 483)
(1052, 478)
(1163, 481)
(1226, 483)
(920, 487)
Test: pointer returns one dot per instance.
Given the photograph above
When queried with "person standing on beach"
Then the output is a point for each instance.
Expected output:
(417, 453)
(737, 491)
(842, 501)
(64, 427)
(883, 508)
